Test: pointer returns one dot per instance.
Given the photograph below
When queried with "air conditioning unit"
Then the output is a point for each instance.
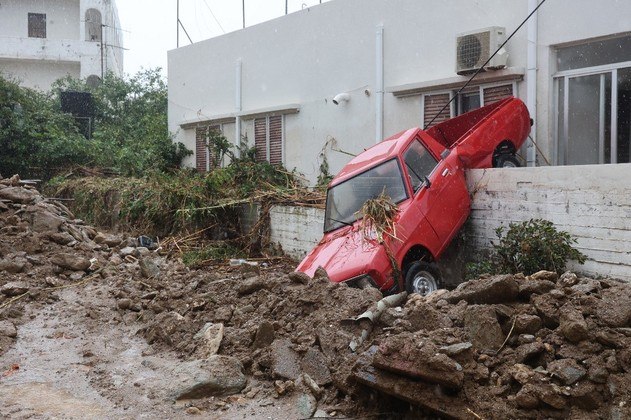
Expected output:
(475, 47)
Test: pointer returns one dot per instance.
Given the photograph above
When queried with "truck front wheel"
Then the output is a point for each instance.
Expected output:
(506, 160)
(422, 278)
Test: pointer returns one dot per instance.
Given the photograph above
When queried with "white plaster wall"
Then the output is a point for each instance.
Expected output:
(62, 17)
(37, 74)
(296, 229)
(592, 202)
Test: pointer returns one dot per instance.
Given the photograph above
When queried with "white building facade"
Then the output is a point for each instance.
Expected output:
(44, 40)
(394, 62)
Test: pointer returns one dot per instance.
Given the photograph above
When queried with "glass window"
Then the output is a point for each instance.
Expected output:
(37, 25)
(419, 162)
(594, 53)
(345, 200)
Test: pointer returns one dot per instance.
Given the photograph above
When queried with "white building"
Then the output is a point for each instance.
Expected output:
(44, 40)
(274, 83)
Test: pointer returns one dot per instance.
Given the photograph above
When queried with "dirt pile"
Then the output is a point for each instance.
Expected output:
(226, 339)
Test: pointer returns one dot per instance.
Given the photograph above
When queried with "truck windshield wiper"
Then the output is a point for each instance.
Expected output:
(342, 222)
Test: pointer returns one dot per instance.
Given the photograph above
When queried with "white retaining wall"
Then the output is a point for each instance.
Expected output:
(296, 229)
(592, 202)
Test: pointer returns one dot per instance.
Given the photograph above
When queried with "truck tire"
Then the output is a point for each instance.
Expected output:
(422, 278)
(506, 160)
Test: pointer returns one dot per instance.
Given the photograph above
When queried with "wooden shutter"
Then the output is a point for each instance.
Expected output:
(201, 150)
(497, 93)
(260, 139)
(433, 104)
(276, 140)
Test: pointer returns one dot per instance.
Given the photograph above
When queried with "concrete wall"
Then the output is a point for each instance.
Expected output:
(38, 62)
(593, 203)
(296, 229)
(307, 57)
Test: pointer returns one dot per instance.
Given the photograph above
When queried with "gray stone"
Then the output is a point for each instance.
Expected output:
(285, 360)
(314, 364)
(108, 239)
(482, 328)
(14, 288)
(497, 289)
(614, 310)
(19, 195)
(13, 266)
(61, 238)
(456, 349)
(43, 220)
(572, 324)
(527, 324)
(124, 303)
(527, 352)
(71, 261)
(128, 250)
(567, 370)
(530, 286)
(7, 329)
(587, 286)
(250, 285)
(215, 376)
(149, 268)
(264, 335)
(210, 337)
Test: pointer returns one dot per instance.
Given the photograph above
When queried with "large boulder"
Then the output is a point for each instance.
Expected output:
(71, 261)
(482, 328)
(216, 376)
(497, 289)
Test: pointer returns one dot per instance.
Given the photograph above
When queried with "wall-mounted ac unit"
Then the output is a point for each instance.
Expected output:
(475, 47)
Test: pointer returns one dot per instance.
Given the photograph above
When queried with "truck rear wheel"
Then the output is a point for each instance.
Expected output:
(422, 278)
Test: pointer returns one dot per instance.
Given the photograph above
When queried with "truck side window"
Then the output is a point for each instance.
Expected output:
(419, 162)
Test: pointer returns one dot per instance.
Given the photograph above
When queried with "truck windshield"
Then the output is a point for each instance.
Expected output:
(344, 200)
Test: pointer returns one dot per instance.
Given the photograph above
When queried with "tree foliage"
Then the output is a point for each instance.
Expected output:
(130, 133)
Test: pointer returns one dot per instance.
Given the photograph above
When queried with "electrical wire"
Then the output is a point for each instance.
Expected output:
(484, 65)
(214, 17)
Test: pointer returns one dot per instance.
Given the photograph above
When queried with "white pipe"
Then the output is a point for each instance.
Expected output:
(341, 97)
(238, 104)
(379, 85)
(531, 80)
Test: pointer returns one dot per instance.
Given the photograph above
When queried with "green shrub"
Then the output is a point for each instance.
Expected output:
(534, 245)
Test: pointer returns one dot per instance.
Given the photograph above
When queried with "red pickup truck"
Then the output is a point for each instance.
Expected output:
(423, 172)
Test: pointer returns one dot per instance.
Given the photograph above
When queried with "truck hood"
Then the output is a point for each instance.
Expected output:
(342, 256)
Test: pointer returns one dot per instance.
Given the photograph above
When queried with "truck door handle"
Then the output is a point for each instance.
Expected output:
(446, 172)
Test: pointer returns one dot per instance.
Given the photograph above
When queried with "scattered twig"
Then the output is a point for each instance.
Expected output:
(508, 336)
(470, 411)
(4, 305)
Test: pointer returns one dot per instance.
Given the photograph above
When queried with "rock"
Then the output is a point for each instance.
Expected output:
(568, 279)
(314, 364)
(216, 376)
(71, 261)
(19, 195)
(285, 362)
(405, 355)
(614, 310)
(250, 285)
(148, 268)
(128, 250)
(7, 329)
(299, 277)
(13, 266)
(320, 414)
(527, 352)
(587, 286)
(302, 406)
(223, 314)
(61, 238)
(14, 288)
(567, 370)
(423, 316)
(496, 289)
(530, 287)
(527, 324)
(545, 275)
(525, 338)
(264, 335)
(107, 239)
(572, 324)
(522, 373)
(42, 220)
(456, 349)
(210, 337)
(551, 395)
(585, 395)
(306, 381)
(282, 387)
(482, 328)
(548, 309)
(527, 397)
(124, 303)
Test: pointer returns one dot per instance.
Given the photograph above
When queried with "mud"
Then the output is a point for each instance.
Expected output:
(94, 326)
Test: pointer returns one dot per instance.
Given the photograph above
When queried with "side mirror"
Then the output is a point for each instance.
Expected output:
(427, 182)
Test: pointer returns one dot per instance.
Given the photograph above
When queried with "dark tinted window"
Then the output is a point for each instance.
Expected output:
(37, 25)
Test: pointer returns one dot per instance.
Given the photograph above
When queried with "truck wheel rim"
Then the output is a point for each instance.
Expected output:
(424, 283)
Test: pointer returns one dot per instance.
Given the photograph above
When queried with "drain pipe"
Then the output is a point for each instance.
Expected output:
(531, 81)
(238, 104)
(379, 85)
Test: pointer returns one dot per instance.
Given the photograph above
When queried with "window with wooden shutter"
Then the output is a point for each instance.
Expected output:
(37, 25)
(201, 150)
(432, 105)
(276, 140)
(268, 139)
(497, 93)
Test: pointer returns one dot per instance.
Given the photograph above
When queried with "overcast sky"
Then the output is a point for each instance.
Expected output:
(150, 25)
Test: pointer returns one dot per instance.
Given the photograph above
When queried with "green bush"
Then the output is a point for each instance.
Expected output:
(534, 245)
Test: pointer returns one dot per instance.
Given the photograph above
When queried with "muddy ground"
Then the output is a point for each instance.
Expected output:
(92, 325)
